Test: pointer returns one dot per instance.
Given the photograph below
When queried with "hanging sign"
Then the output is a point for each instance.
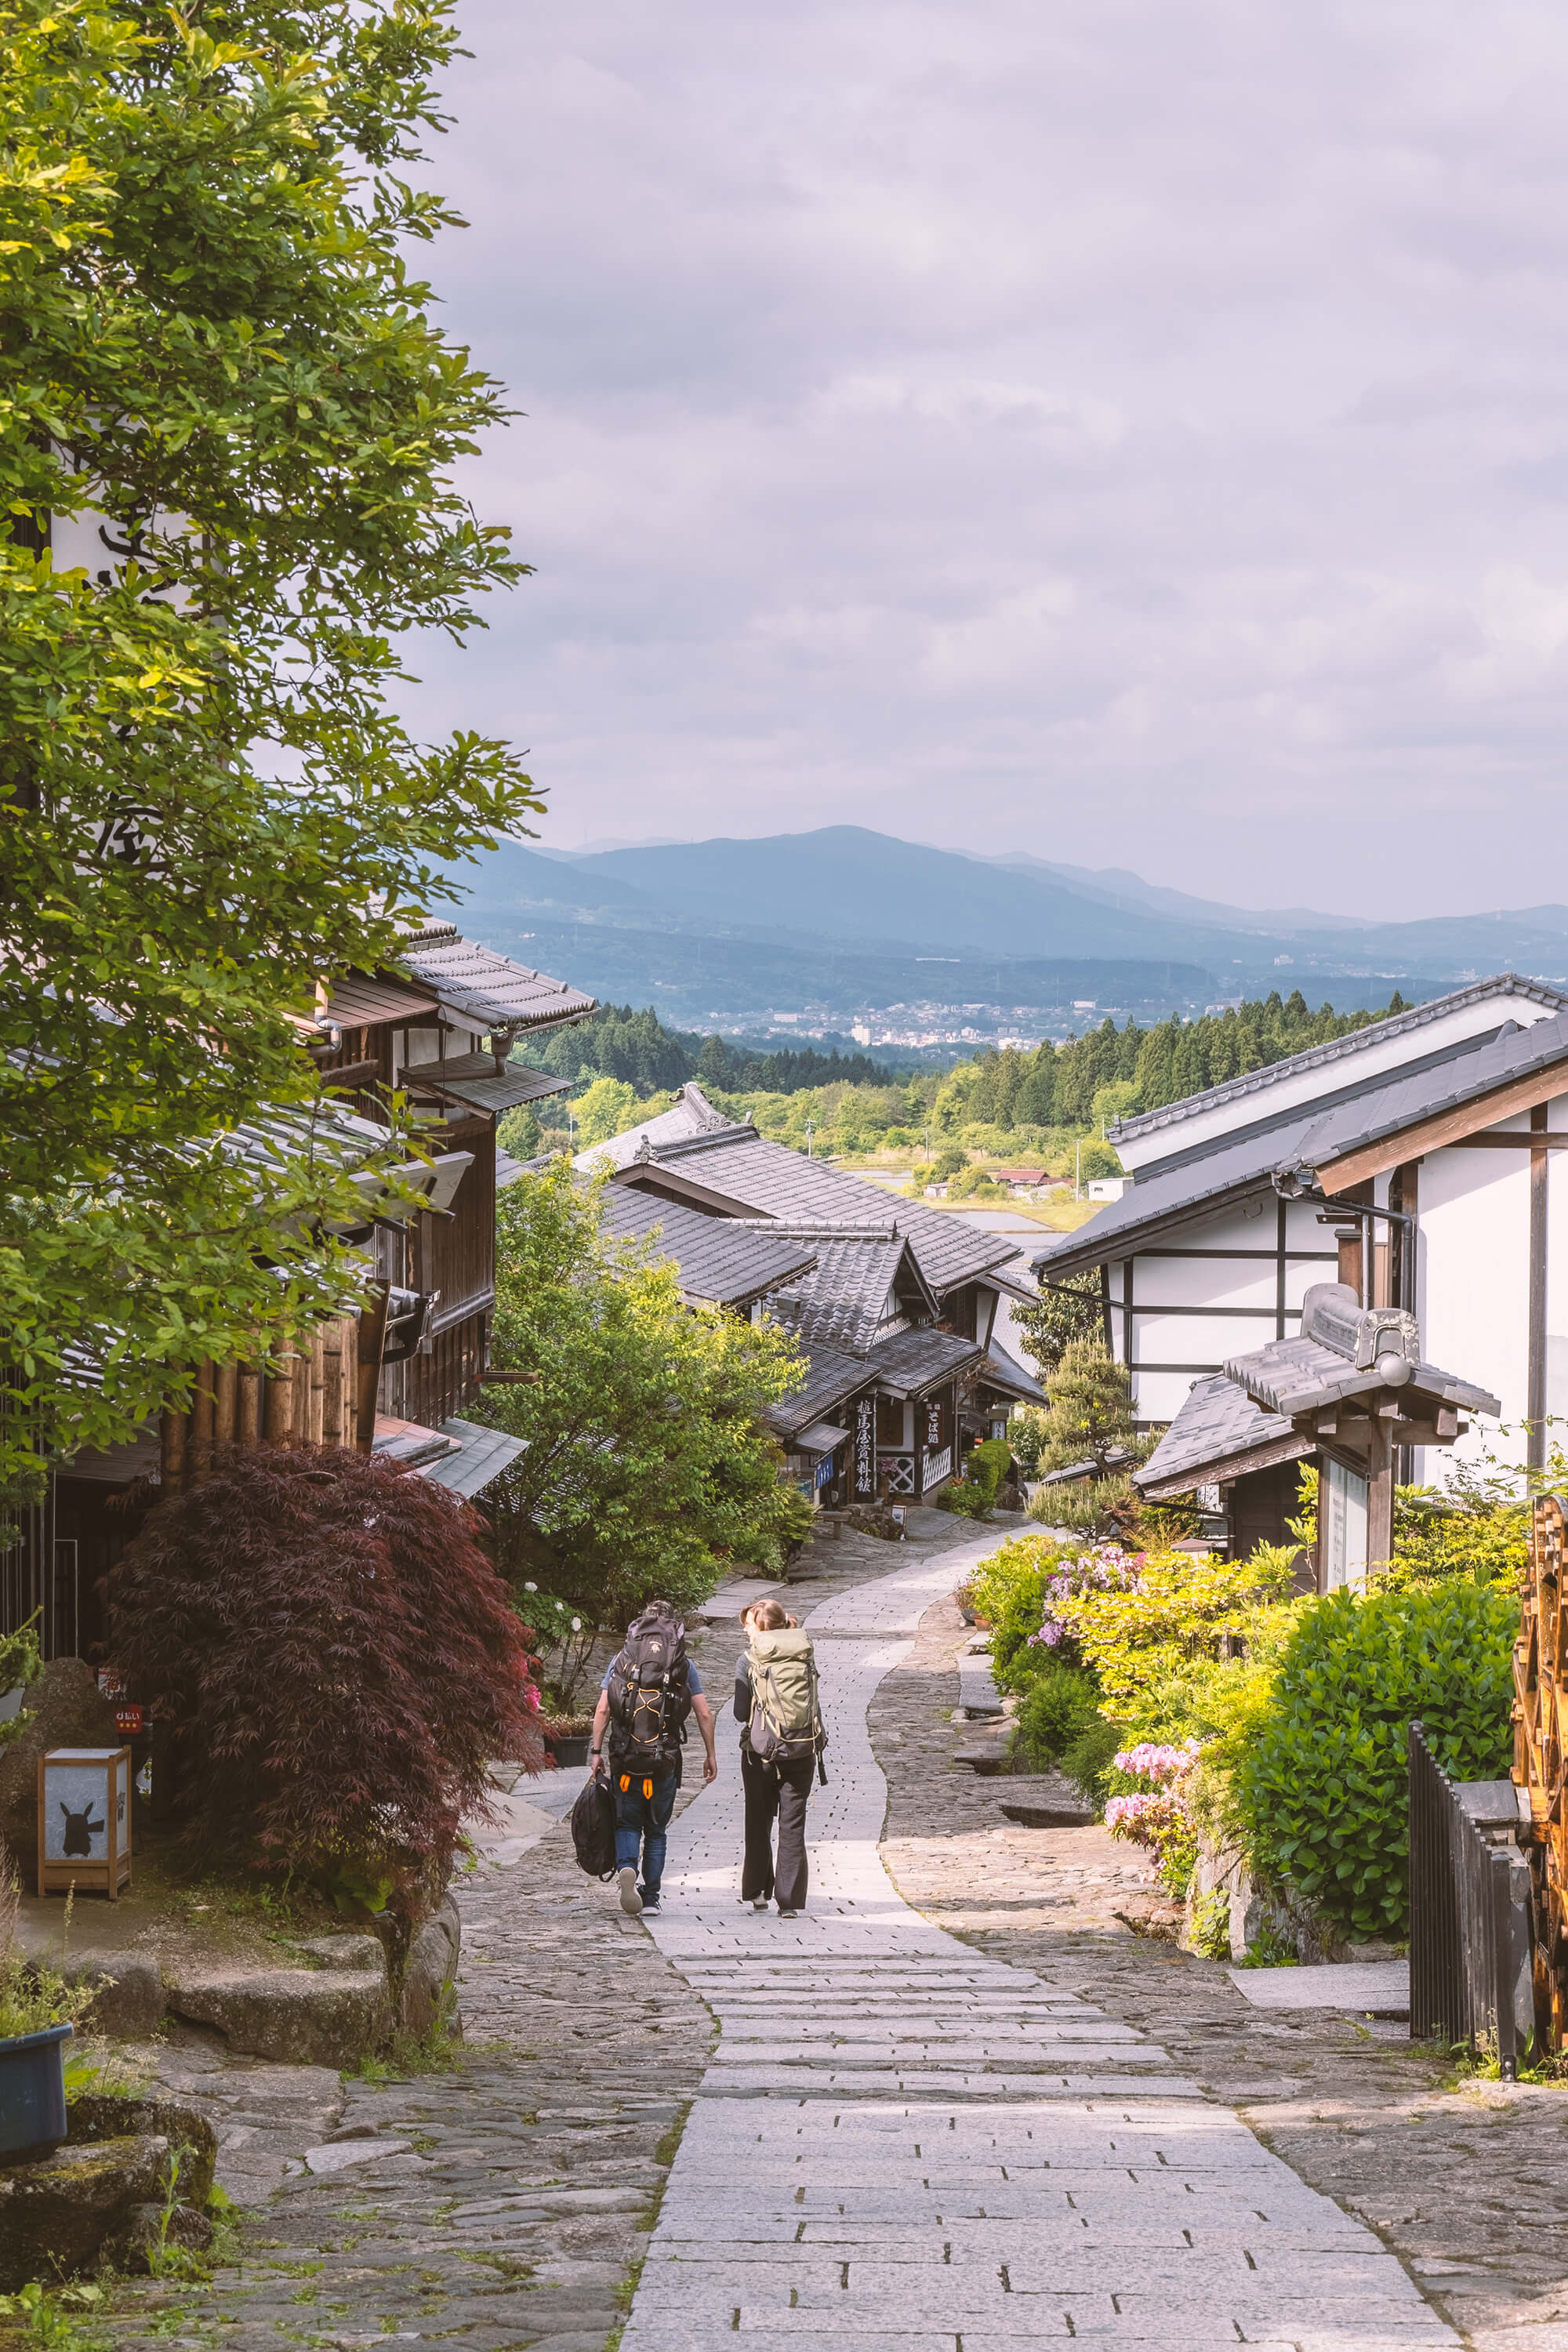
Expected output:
(866, 1447)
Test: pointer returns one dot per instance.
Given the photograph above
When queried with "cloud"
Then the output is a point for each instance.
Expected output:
(1127, 432)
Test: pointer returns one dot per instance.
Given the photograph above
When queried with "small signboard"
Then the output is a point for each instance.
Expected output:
(129, 1721)
(824, 1473)
(84, 1821)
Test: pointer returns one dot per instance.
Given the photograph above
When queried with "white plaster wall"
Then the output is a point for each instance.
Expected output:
(1474, 1269)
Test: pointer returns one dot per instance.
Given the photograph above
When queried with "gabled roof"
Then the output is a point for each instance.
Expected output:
(1175, 1195)
(1339, 1052)
(1218, 1432)
(859, 1280)
(912, 1362)
(1514, 1054)
(722, 1262)
(831, 1379)
(365, 999)
(487, 990)
(1001, 1370)
(696, 1144)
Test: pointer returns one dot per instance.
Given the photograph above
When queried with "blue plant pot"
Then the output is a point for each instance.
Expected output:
(33, 2091)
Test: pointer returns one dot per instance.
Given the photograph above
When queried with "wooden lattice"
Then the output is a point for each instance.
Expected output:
(1540, 1742)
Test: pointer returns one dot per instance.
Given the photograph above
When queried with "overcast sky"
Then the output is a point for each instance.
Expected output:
(1131, 431)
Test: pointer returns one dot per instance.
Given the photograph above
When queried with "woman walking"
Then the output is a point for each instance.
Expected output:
(782, 1740)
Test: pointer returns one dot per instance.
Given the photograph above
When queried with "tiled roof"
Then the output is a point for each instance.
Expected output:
(479, 1455)
(1174, 1195)
(1340, 1050)
(843, 1300)
(1514, 1054)
(912, 1360)
(1299, 1376)
(487, 989)
(831, 1377)
(1218, 1422)
(474, 1079)
(363, 1000)
(695, 1140)
(1001, 1370)
(722, 1262)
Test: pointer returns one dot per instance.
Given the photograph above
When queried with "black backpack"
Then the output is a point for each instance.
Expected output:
(594, 1828)
(649, 1701)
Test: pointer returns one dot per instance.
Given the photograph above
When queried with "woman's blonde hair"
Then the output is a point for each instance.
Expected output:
(767, 1617)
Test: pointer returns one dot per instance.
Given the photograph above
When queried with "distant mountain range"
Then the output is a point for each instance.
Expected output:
(843, 919)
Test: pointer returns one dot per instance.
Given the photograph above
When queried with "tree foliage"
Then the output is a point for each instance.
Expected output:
(335, 1662)
(217, 377)
(1069, 1310)
(645, 1458)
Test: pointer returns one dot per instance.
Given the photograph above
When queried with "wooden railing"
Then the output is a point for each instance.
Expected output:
(1470, 1939)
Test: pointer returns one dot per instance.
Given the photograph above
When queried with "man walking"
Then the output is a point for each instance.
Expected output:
(649, 1688)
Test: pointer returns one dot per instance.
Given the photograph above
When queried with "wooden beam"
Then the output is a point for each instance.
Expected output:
(367, 1368)
(1540, 1195)
(247, 1410)
(1379, 1496)
(1459, 1126)
(1517, 1140)
(199, 1455)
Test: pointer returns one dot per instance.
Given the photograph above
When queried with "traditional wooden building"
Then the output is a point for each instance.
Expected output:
(1417, 1161)
(906, 1293)
(1349, 1391)
(395, 1374)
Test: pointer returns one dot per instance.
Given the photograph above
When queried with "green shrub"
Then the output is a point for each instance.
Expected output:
(988, 1463)
(1323, 1784)
(1089, 1762)
(1058, 1706)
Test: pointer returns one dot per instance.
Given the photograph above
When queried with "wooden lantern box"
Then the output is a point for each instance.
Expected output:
(84, 1821)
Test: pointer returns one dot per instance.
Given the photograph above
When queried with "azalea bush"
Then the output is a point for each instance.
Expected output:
(1151, 1806)
(1165, 1633)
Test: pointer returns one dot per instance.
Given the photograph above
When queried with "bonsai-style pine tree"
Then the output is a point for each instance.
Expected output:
(1089, 1417)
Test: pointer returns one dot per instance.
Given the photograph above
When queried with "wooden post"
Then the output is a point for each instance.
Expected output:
(1540, 1196)
(299, 1379)
(1379, 1496)
(247, 1409)
(332, 1359)
(226, 1403)
(172, 1450)
(372, 1339)
(318, 1379)
(280, 1408)
(199, 1460)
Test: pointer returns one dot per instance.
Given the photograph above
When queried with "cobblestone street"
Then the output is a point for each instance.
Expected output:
(958, 2103)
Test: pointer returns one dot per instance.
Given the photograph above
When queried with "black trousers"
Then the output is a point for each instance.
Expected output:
(775, 1792)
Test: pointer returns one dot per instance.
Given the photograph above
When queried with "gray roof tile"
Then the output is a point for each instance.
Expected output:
(1340, 1050)
(844, 1299)
(1218, 1422)
(722, 1262)
(912, 1360)
(831, 1378)
(1300, 1376)
(485, 989)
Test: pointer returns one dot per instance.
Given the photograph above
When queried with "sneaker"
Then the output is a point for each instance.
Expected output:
(761, 1902)
(631, 1901)
(651, 1903)
(788, 1915)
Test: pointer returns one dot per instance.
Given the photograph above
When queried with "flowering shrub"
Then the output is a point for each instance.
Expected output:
(1152, 1808)
(1157, 1629)
(1104, 1567)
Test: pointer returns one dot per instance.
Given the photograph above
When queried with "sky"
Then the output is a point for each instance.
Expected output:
(1130, 431)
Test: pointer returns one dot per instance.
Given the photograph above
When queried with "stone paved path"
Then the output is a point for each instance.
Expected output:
(900, 2142)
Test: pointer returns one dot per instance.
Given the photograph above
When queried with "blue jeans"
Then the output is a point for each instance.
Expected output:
(641, 1821)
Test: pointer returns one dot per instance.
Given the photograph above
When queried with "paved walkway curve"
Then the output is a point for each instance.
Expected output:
(905, 2145)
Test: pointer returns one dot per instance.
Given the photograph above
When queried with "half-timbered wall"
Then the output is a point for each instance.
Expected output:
(1214, 1289)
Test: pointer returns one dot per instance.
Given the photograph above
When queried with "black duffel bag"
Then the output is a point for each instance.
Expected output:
(593, 1828)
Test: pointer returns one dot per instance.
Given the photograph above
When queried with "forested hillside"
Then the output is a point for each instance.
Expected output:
(999, 1103)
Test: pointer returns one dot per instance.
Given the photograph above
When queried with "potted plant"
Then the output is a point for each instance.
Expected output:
(566, 1736)
(38, 2010)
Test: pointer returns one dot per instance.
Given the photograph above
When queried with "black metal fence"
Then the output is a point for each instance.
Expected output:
(1470, 1912)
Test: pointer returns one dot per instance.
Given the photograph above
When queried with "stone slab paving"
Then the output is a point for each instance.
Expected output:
(1370, 1987)
(1465, 2181)
(903, 2143)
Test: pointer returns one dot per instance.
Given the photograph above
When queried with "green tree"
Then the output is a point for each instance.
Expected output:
(607, 1107)
(1090, 1416)
(645, 1456)
(1069, 1310)
(518, 1132)
(218, 379)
